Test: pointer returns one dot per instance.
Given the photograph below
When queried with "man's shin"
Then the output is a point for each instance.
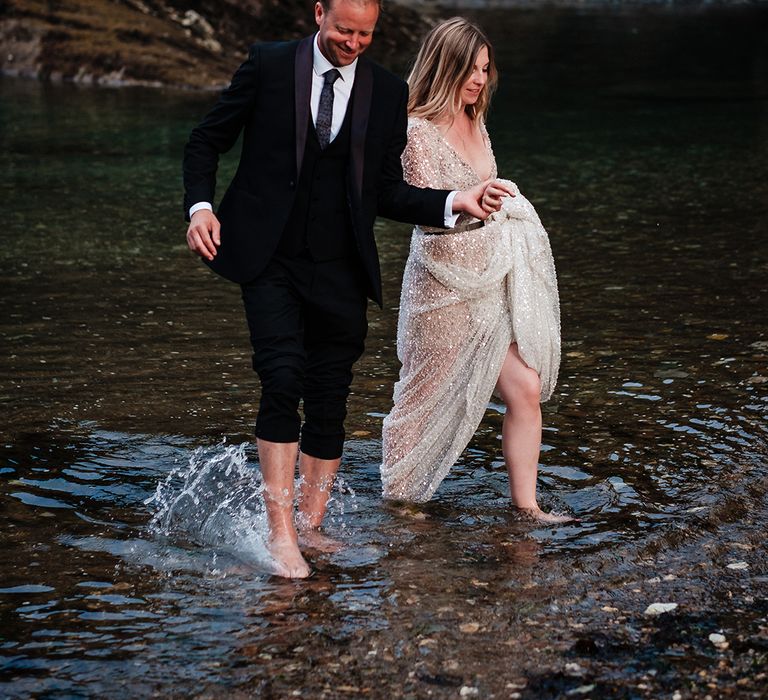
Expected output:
(278, 468)
(316, 483)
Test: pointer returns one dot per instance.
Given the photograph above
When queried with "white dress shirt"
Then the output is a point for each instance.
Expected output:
(342, 90)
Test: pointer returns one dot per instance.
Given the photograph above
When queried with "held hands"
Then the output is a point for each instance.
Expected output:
(204, 234)
(483, 199)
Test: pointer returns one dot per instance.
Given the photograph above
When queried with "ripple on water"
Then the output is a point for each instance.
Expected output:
(169, 540)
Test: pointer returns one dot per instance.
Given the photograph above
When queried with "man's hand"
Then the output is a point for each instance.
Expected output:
(483, 199)
(204, 233)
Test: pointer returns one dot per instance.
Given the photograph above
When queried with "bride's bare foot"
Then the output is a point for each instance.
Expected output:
(538, 515)
(312, 538)
(289, 563)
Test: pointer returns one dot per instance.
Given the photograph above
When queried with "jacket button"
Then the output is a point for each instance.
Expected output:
(291, 184)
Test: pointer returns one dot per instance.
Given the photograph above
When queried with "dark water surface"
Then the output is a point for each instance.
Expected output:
(131, 542)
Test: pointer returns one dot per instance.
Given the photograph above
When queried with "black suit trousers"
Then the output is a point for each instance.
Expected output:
(307, 322)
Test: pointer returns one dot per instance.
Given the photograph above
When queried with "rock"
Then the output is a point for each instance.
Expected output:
(469, 627)
(468, 691)
(718, 640)
(516, 686)
(659, 608)
(196, 22)
(671, 374)
(738, 566)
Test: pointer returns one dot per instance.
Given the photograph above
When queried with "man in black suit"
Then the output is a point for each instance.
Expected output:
(323, 130)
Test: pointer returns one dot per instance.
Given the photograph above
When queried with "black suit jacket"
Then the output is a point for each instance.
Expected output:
(268, 101)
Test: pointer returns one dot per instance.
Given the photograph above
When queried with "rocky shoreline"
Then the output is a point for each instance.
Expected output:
(159, 43)
(197, 44)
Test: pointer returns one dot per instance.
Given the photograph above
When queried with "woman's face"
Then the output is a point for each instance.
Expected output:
(475, 84)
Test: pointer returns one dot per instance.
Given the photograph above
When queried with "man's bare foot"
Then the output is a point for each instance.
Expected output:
(538, 515)
(289, 563)
(312, 538)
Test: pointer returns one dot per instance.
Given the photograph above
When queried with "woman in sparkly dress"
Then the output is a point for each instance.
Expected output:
(479, 310)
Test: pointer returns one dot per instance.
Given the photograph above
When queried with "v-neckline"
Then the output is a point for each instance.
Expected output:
(460, 157)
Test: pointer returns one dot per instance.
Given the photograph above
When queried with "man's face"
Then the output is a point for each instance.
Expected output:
(346, 29)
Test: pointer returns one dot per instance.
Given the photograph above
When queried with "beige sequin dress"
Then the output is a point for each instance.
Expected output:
(465, 298)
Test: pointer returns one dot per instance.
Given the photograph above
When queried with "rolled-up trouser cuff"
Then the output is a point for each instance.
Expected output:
(322, 446)
(278, 419)
(275, 433)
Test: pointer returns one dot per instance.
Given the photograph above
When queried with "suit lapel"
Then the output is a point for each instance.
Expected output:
(361, 108)
(303, 92)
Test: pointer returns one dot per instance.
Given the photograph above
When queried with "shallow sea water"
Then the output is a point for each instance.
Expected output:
(132, 533)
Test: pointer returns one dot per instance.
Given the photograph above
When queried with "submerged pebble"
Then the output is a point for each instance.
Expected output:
(718, 640)
(469, 628)
(660, 608)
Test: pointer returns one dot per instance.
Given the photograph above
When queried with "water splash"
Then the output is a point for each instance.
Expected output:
(342, 500)
(215, 502)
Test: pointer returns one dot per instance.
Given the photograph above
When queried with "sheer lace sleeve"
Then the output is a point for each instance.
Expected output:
(421, 158)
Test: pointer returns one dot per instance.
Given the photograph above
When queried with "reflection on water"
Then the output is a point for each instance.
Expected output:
(133, 537)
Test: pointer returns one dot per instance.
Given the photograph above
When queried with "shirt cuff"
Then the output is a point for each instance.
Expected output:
(206, 205)
(449, 217)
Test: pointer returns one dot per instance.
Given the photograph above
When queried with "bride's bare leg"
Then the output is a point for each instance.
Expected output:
(520, 390)
(521, 432)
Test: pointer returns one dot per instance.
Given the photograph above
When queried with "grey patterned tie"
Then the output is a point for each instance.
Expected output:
(325, 108)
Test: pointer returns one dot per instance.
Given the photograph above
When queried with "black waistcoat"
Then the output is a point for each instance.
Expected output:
(320, 224)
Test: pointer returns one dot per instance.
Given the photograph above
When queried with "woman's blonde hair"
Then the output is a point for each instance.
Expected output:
(444, 63)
